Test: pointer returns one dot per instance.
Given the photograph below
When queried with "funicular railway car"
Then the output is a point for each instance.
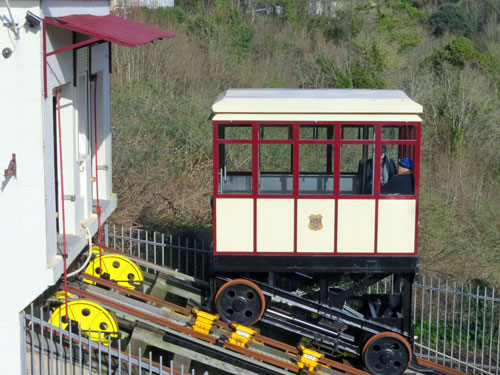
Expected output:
(315, 194)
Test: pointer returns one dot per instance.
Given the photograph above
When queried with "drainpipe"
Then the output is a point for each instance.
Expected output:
(13, 25)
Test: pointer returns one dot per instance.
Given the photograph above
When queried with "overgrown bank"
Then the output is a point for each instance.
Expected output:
(445, 57)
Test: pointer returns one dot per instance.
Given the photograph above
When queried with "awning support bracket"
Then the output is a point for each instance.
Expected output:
(63, 49)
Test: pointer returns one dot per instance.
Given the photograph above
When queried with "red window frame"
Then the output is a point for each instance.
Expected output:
(336, 142)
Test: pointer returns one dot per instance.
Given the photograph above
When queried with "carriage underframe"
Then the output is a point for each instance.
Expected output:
(357, 304)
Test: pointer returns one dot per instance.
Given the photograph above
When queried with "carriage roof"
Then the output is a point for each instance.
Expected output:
(315, 104)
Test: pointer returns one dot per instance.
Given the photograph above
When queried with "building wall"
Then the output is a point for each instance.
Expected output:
(23, 267)
(29, 239)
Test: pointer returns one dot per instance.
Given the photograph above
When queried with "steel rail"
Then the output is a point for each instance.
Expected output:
(182, 329)
(446, 370)
(145, 297)
(259, 338)
(286, 348)
(164, 322)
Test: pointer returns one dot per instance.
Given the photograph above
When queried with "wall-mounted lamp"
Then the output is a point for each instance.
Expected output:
(33, 19)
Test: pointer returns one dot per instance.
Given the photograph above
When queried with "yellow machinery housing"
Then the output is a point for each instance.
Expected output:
(92, 319)
(116, 268)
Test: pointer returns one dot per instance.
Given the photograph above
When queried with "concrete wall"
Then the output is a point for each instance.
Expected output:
(29, 239)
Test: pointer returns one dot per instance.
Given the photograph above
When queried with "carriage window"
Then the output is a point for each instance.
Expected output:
(399, 132)
(235, 168)
(356, 175)
(275, 169)
(358, 132)
(235, 132)
(316, 169)
(278, 132)
(316, 132)
(398, 164)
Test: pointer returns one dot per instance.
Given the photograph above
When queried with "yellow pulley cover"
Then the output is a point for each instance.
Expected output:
(90, 316)
(115, 268)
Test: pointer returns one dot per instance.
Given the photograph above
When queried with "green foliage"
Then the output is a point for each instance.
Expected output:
(223, 28)
(459, 51)
(406, 40)
(385, 22)
(293, 11)
(447, 18)
(346, 24)
(407, 7)
(174, 13)
(364, 71)
(162, 95)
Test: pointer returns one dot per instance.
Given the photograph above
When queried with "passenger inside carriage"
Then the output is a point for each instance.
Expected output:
(387, 170)
(403, 183)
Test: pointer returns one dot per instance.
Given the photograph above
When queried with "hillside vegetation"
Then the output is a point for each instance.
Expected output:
(443, 54)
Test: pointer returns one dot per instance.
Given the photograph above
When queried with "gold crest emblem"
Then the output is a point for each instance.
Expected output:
(315, 222)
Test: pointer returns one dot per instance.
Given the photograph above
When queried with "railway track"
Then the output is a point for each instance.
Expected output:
(170, 326)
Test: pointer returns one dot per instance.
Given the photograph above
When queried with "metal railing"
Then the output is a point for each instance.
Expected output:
(52, 350)
(455, 324)
(189, 256)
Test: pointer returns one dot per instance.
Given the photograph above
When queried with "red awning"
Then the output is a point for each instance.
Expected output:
(110, 28)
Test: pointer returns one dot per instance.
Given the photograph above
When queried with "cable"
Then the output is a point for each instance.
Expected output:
(65, 255)
(89, 236)
(98, 207)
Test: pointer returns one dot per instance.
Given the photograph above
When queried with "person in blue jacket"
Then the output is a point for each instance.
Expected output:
(404, 182)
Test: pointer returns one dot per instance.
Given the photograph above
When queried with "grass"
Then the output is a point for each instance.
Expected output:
(162, 95)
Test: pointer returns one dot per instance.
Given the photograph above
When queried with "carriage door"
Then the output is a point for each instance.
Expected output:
(84, 144)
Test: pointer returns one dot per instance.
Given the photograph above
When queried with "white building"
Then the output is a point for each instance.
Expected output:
(55, 63)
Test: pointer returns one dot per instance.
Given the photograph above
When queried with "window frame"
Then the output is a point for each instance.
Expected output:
(337, 142)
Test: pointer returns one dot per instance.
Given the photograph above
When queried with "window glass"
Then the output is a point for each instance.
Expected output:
(358, 132)
(235, 168)
(316, 132)
(356, 175)
(279, 132)
(401, 160)
(399, 132)
(235, 131)
(275, 169)
(316, 169)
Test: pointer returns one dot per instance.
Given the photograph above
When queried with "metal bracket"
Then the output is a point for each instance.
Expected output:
(69, 198)
(103, 167)
(12, 168)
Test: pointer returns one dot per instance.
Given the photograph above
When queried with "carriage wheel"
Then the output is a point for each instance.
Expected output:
(240, 301)
(387, 353)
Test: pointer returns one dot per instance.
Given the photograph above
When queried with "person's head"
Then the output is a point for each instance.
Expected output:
(405, 165)
(383, 151)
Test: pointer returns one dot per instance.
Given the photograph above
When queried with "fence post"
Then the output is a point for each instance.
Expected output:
(22, 336)
(106, 235)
